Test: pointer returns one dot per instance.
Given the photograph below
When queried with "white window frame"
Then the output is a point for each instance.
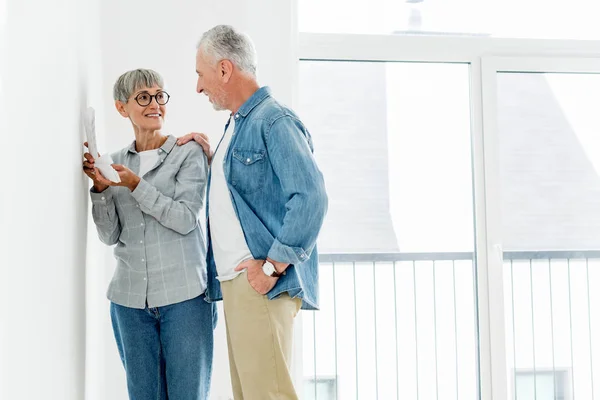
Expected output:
(491, 66)
(485, 56)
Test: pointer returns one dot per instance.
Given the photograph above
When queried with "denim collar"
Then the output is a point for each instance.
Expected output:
(166, 147)
(254, 100)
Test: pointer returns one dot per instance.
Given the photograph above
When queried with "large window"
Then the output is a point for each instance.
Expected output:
(549, 183)
(461, 250)
(397, 285)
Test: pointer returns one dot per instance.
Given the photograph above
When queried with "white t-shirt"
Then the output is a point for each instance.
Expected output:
(148, 159)
(227, 238)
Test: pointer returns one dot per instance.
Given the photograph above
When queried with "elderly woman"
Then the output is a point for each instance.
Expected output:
(162, 324)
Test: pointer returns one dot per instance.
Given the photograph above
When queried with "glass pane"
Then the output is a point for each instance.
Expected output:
(549, 168)
(575, 19)
(543, 383)
(397, 316)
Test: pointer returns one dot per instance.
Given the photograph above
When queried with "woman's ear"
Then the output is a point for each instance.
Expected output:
(120, 106)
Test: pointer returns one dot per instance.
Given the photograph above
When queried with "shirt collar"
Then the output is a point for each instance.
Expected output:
(254, 100)
(166, 147)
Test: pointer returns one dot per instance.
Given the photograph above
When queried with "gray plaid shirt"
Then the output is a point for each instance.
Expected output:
(160, 247)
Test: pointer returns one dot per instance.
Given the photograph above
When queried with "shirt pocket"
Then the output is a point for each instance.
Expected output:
(248, 170)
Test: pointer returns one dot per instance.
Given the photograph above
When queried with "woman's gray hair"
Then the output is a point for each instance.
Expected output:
(131, 81)
(223, 42)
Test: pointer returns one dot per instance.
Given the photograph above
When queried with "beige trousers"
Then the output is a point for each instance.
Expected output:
(259, 340)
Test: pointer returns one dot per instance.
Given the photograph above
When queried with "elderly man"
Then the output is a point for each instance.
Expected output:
(266, 204)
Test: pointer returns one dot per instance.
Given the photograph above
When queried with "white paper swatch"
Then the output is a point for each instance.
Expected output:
(103, 163)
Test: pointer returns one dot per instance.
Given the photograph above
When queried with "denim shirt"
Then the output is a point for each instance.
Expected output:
(278, 194)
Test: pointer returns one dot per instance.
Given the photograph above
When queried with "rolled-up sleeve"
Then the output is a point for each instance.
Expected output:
(105, 216)
(180, 212)
(304, 187)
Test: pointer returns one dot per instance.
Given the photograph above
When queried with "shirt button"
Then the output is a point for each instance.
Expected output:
(237, 116)
(144, 278)
(142, 224)
(248, 160)
(143, 260)
(141, 241)
(103, 198)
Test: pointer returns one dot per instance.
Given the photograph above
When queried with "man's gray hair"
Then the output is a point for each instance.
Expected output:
(131, 81)
(223, 42)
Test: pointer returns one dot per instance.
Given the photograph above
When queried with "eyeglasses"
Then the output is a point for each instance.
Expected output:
(144, 99)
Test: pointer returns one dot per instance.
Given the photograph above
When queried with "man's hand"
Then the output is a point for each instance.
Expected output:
(128, 178)
(201, 139)
(100, 182)
(256, 277)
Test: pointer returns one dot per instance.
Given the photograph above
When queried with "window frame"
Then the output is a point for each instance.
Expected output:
(491, 66)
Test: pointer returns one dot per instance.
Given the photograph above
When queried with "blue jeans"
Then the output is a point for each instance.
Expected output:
(167, 351)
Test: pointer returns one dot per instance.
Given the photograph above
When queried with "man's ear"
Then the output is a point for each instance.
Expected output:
(120, 106)
(225, 70)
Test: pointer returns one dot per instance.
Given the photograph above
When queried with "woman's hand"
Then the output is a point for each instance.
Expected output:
(100, 182)
(128, 178)
(201, 139)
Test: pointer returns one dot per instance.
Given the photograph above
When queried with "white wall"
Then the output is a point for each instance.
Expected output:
(167, 44)
(46, 79)
(55, 59)
(3, 128)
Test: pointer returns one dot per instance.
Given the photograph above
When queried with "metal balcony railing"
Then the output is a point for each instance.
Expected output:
(404, 326)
